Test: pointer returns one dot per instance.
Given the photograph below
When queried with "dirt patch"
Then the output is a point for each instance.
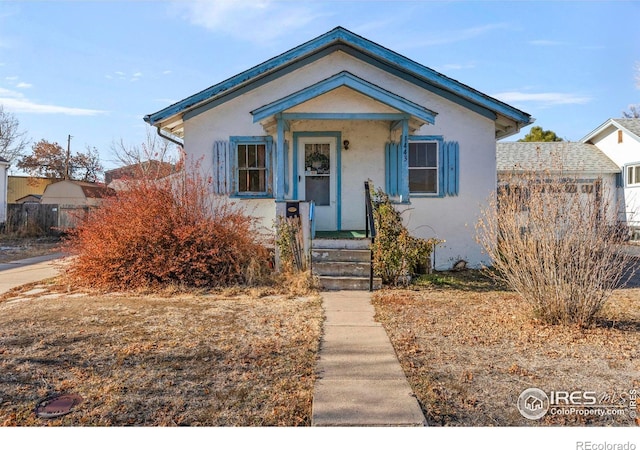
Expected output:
(201, 360)
(470, 348)
(13, 249)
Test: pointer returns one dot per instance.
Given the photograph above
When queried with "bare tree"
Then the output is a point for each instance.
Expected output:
(634, 110)
(49, 160)
(12, 140)
(633, 113)
(149, 159)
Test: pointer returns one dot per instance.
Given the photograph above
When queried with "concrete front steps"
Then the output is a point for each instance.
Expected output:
(342, 264)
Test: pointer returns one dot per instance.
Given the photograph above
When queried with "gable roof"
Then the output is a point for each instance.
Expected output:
(345, 79)
(631, 126)
(508, 119)
(573, 157)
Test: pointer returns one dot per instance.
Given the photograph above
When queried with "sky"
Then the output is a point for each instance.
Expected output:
(94, 69)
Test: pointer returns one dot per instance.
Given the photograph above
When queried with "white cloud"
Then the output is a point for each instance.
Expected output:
(453, 36)
(546, 43)
(448, 67)
(120, 75)
(257, 21)
(543, 98)
(23, 85)
(16, 102)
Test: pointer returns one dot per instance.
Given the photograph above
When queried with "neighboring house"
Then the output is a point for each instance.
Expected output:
(619, 139)
(316, 122)
(22, 186)
(117, 178)
(4, 166)
(586, 168)
(73, 199)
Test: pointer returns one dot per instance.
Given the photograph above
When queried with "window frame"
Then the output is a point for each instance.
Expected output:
(439, 141)
(234, 174)
(632, 181)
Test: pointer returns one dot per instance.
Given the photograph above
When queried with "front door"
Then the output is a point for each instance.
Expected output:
(317, 182)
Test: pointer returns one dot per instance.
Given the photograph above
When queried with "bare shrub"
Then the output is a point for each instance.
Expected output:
(554, 240)
(169, 231)
(396, 254)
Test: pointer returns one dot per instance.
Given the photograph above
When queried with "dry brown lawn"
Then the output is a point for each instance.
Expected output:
(13, 249)
(470, 348)
(153, 360)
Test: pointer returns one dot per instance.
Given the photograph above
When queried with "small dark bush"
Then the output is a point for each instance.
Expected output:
(166, 232)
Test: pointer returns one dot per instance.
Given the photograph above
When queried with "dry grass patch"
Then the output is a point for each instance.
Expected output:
(154, 360)
(13, 249)
(470, 348)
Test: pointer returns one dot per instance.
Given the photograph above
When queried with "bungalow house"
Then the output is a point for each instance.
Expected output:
(316, 122)
(619, 139)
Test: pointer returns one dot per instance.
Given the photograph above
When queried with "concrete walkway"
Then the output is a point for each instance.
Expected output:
(24, 271)
(360, 381)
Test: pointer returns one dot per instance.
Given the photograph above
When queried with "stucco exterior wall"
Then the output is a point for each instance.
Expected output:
(624, 153)
(450, 218)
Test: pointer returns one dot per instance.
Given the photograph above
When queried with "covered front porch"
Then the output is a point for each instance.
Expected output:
(331, 137)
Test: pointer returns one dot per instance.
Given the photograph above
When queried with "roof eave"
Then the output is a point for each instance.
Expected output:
(340, 36)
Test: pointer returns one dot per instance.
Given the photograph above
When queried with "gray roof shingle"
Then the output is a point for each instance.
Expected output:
(631, 125)
(572, 157)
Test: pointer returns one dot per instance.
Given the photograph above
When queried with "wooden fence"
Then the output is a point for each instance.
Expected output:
(34, 219)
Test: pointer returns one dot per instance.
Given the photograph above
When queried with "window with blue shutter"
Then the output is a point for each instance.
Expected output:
(250, 169)
(434, 167)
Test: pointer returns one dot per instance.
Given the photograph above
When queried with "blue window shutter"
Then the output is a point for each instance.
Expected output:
(451, 165)
(392, 164)
(220, 159)
(619, 180)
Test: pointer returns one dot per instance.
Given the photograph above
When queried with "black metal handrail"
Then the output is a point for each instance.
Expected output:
(370, 227)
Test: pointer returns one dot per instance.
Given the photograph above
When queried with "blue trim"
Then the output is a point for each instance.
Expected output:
(404, 161)
(344, 116)
(280, 161)
(344, 79)
(234, 141)
(338, 137)
(340, 38)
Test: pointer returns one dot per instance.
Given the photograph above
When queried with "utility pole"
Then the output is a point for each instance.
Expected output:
(66, 162)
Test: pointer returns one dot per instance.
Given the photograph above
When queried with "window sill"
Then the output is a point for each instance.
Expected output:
(425, 195)
(251, 196)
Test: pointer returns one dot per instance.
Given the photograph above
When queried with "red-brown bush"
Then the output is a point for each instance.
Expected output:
(171, 232)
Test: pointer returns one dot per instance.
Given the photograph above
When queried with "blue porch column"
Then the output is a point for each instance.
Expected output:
(280, 165)
(404, 160)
